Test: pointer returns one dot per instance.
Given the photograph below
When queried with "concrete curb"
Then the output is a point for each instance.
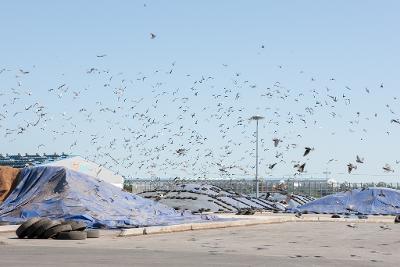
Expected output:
(243, 222)
(167, 229)
(8, 228)
(236, 221)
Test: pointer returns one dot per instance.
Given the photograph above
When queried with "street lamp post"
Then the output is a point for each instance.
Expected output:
(257, 118)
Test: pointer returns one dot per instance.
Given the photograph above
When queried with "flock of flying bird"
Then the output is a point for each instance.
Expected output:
(149, 124)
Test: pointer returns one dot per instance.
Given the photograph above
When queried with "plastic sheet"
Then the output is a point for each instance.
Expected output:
(60, 193)
(379, 201)
(228, 199)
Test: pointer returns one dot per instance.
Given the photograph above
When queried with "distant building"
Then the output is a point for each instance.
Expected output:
(75, 163)
(21, 161)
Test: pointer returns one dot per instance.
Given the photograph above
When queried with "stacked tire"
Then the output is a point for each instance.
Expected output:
(246, 211)
(44, 228)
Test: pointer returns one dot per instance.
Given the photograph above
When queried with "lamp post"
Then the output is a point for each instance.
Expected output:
(257, 118)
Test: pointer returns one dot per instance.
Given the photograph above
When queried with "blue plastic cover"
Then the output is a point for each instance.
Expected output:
(375, 200)
(60, 193)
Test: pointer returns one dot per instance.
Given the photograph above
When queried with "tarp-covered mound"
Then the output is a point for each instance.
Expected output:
(287, 201)
(60, 193)
(375, 200)
(200, 197)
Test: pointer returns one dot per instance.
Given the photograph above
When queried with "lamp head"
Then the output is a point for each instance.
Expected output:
(257, 117)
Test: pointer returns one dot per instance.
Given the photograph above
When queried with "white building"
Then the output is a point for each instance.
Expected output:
(82, 165)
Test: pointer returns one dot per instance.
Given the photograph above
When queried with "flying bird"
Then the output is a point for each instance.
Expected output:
(181, 151)
(276, 141)
(300, 167)
(359, 160)
(307, 151)
(387, 168)
(271, 166)
(23, 72)
(351, 167)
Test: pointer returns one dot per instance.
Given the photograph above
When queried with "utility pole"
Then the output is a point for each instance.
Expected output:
(257, 118)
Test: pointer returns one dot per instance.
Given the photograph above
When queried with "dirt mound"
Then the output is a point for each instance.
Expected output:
(8, 181)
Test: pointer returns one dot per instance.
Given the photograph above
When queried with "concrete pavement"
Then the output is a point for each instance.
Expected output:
(283, 244)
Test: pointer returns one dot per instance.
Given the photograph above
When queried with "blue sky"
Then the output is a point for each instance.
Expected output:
(354, 42)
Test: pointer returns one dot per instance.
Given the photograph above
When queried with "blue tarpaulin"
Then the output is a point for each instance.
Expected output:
(60, 193)
(379, 201)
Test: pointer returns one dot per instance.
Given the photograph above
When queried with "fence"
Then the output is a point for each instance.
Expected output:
(141, 185)
(315, 188)
(323, 188)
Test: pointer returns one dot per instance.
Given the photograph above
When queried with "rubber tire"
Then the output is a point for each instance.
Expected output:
(22, 229)
(397, 219)
(76, 225)
(93, 233)
(73, 235)
(42, 229)
(52, 232)
(35, 228)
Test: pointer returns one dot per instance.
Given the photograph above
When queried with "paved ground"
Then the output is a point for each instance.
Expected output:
(287, 244)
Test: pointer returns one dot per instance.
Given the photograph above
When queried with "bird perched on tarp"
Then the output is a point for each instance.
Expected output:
(351, 167)
(381, 194)
(307, 151)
